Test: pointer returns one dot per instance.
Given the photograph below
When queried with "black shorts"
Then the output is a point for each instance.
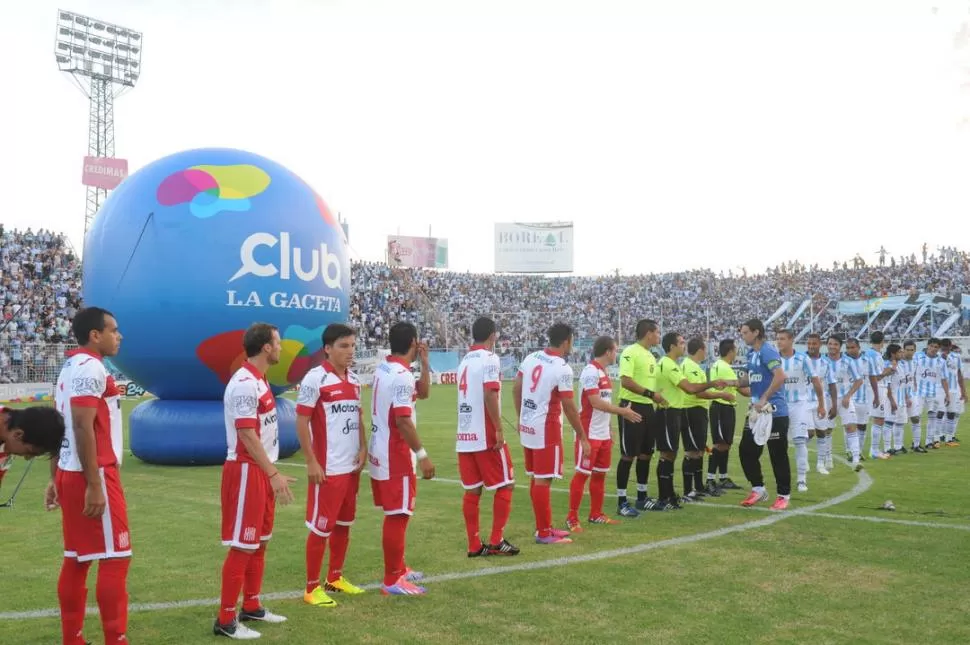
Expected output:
(723, 421)
(635, 438)
(667, 434)
(695, 433)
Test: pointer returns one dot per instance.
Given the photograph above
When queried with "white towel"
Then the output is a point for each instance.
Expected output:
(760, 423)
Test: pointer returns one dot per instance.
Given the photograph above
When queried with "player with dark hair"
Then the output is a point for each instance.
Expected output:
(330, 427)
(958, 391)
(806, 401)
(542, 393)
(848, 381)
(86, 484)
(934, 389)
(723, 418)
(878, 375)
(822, 429)
(897, 397)
(31, 432)
(394, 448)
(695, 432)
(914, 411)
(595, 408)
(484, 460)
(251, 484)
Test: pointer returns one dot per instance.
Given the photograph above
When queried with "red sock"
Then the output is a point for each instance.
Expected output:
(233, 574)
(315, 547)
(395, 532)
(339, 541)
(576, 489)
(542, 508)
(253, 581)
(501, 509)
(112, 593)
(72, 596)
(469, 507)
(597, 493)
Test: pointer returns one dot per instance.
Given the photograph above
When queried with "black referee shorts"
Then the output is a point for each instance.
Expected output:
(635, 438)
(695, 434)
(723, 421)
(667, 433)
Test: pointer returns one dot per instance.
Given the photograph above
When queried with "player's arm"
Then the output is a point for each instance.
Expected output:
(777, 382)
(874, 384)
(245, 406)
(306, 402)
(694, 388)
(893, 404)
(424, 384)
(517, 397)
(945, 380)
(564, 385)
(362, 451)
(402, 408)
(50, 494)
(627, 365)
(960, 381)
(492, 388)
(86, 392)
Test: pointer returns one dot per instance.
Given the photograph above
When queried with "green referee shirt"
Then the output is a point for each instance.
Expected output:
(721, 370)
(669, 376)
(694, 374)
(637, 363)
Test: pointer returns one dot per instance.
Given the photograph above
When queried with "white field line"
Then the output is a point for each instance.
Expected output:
(863, 484)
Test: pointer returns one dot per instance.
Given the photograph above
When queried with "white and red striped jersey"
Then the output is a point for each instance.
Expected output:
(333, 405)
(593, 382)
(393, 397)
(480, 370)
(546, 380)
(249, 403)
(85, 382)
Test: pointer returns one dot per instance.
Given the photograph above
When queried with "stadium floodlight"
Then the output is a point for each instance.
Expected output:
(104, 60)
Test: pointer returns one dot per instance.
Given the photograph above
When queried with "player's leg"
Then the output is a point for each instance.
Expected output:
(668, 443)
(713, 460)
(472, 481)
(340, 538)
(728, 428)
(799, 420)
(875, 446)
(500, 477)
(546, 465)
(597, 483)
(320, 529)
(693, 434)
(112, 583)
(577, 486)
(72, 590)
(396, 496)
(645, 453)
(750, 453)
(780, 465)
(631, 437)
(699, 431)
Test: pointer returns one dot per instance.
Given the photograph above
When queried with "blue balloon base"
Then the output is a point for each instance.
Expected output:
(193, 433)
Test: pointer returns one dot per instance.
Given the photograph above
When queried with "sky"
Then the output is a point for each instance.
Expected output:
(675, 135)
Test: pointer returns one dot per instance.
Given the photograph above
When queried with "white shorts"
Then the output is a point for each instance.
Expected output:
(883, 410)
(935, 404)
(824, 423)
(861, 413)
(956, 405)
(847, 415)
(800, 420)
(901, 416)
(915, 409)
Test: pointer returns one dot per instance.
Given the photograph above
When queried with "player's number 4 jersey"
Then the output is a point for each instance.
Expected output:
(479, 370)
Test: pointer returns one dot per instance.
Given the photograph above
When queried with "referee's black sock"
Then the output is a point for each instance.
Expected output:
(687, 468)
(643, 474)
(699, 473)
(665, 479)
(622, 479)
(712, 463)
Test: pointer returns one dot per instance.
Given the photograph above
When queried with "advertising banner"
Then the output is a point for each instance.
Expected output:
(425, 252)
(104, 172)
(534, 248)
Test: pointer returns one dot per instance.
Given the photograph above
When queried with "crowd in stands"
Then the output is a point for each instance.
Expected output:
(40, 289)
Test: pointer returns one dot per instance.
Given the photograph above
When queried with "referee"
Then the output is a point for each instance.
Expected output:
(638, 376)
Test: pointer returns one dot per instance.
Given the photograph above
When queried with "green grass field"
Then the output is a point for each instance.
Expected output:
(834, 569)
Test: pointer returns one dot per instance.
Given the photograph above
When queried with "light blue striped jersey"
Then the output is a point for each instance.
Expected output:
(846, 371)
(876, 365)
(908, 369)
(930, 372)
(822, 368)
(953, 367)
(864, 393)
(898, 382)
(798, 378)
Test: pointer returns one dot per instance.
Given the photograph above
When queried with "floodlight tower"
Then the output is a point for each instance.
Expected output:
(105, 61)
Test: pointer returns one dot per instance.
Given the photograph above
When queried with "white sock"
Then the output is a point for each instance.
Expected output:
(852, 441)
(874, 448)
(917, 433)
(801, 458)
(888, 436)
(845, 437)
(899, 430)
(950, 428)
(956, 424)
(828, 448)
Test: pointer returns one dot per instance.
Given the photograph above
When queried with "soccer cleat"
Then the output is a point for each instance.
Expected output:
(712, 489)
(952, 444)
(929, 447)
(670, 504)
(920, 450)
(802, 487)
(645, 503)
(625, 510)
(781, 503)
(412, 576)
(342, 585)
(263, 615)
(754, 497)
(553, 539)
(559, 533)
(728, 484)
(319, 598)
(902, 451)
(402, 587)
(892, 452)
(573, 525)
(235, 630)
(857, 466)
(699, 494)
(821, 469)
(503, 548)
(481, 552)
(603, 518)
(828, 462)
(955, 440)
(687, 499)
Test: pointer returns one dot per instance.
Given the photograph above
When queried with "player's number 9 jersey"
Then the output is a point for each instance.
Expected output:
(546, 380)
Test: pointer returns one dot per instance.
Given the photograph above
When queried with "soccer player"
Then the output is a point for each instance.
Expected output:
(674, 388)
(86, 484)
(801, 381)
(915, 408)
(543, 391)
(484, 460)
(30, 432)
(897, 399)
(878, 375)
(695, 432)
(723, 418)
(848, 380)
(934, 389)
(251, 484)
(394, 448)
(955, 383)
(767, 381)
(861, 399)
(595, 408)
(638, 382)
(823, 368)
(330, 427)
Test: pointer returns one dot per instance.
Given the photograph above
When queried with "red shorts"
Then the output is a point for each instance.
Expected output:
(599, 458)
(395, 495)
(93, 538)
(544, 463)
(489, 468)
(331, 503)
(248, 505)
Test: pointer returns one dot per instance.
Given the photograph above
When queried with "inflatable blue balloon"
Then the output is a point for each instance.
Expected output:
(192, 249)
